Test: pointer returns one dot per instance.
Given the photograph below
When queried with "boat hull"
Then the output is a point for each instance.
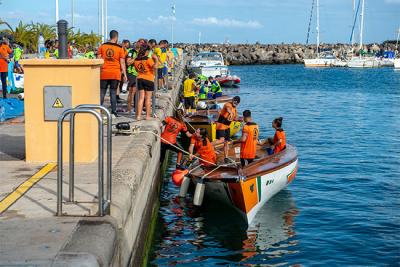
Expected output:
(250, 195)
(361, 63)
(397, 63)
(319, 62)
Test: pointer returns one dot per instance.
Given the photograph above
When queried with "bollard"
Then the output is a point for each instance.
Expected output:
(62, 28)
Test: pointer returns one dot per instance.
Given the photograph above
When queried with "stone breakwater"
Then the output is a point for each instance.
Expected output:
(248, 54)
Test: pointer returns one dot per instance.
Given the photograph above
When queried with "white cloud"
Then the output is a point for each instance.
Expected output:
(213, 21)
(161, 19)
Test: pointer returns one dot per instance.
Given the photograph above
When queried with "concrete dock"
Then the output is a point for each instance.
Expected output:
(30, 232)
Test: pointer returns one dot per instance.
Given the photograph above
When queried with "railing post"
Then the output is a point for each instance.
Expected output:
(71, 157)
(153, 96)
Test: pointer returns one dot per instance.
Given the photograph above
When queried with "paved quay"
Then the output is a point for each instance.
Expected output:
(31, 234)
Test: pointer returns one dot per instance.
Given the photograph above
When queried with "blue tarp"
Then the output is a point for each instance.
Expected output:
(10, 108)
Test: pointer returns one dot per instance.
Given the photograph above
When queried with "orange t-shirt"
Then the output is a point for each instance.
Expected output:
(224, 121)
(279, 134)
(249, 147)
(111, 53)
(145, 68)
(5, 51)
(172, 129)
(206, 152)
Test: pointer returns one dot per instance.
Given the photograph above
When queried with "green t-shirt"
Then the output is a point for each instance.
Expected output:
(131, 69)
(17, 53)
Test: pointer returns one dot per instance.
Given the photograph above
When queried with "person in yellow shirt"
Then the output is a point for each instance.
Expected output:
(161, 52)
(189, 91)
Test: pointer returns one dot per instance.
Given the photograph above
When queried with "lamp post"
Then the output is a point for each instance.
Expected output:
(57, 17)
(72, 14)
(172, 25)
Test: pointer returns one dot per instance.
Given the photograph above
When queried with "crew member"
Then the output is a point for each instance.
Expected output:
(5, 52)
(173, 126)
(203, 92)
(189, 92)
(17, 56)
(279, 142)
(216, 88)
(204, 148)
(114, 64)
(145, 67)
(227, 114)
(132, 73)
(248, 141)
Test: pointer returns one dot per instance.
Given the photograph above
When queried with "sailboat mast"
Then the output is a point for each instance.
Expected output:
(318, 28)
(354, 17)
(362, 24)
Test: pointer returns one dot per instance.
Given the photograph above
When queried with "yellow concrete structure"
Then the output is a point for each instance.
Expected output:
(83, 75)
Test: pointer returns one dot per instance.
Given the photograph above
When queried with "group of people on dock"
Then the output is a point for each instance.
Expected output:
(9, 58)
(204, 149)
(203, 90)
(138, 65)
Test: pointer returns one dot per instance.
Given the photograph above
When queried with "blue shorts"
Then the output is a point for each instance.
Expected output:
(165, 70)
(217, 95)
(17, 65)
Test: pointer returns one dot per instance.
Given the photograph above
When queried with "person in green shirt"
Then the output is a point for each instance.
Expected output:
(204, 89)
(17, 56)
(132, 73)
(216, 88)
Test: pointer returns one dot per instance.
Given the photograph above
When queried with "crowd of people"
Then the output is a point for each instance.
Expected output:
(138, 64)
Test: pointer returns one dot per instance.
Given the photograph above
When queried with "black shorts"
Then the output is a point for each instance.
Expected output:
(226, 134)
(112, 83)
(160, 73)
(189, 102)
(131, 80)
(146, 85)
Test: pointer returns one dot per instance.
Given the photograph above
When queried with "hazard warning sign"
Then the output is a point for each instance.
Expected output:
(58, 103)
(57, 99)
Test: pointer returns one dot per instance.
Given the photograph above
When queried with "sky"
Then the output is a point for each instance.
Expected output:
(236, 21)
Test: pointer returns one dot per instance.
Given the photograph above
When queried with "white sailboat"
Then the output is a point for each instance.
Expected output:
(324, 59)
(397, 60)
(362, 61)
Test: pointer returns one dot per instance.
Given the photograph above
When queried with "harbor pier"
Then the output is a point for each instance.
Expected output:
(30, 232)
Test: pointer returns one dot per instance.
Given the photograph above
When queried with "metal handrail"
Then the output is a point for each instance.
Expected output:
(60, 157)
(109, 147)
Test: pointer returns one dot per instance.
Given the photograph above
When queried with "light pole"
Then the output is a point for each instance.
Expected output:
(72, 14)
(172, 25)
(57, 17)
(105, 17)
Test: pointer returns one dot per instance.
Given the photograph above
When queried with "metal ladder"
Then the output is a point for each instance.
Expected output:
(103, 204)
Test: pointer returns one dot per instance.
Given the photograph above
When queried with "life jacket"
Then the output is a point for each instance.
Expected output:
(90, 55)
(131, 69)
(203, 93)
(216, 87)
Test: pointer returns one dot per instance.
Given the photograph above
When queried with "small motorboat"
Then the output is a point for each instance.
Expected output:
(207, 119)
(228, 81)
(247, 189)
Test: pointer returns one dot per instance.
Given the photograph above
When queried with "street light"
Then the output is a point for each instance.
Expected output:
(172, 25)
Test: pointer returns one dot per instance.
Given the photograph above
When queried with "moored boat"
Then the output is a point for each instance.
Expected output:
(397, 63)
(247, 189)
(228, 81)
(207, 119)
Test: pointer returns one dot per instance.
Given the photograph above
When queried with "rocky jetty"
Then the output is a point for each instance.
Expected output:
(249, 54)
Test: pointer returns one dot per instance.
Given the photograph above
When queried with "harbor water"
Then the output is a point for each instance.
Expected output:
(343, 208)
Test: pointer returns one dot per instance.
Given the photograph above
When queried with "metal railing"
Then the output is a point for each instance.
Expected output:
(103, 205)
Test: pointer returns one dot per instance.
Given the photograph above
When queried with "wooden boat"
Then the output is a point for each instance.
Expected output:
(207, 119)
(219, 100)
(247, 189)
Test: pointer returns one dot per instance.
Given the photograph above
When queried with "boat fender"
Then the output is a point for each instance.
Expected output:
(199, 193)
(184, 186)
(178, 175)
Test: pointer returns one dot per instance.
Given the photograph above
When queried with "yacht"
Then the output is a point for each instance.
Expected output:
(209, 64)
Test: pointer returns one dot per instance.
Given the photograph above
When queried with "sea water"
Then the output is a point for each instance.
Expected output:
(342, 209)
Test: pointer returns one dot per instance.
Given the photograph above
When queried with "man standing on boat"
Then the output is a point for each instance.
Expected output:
(248, 141)
(227, 114)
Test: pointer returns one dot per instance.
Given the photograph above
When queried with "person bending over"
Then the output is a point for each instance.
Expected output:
(173, 126)
(204, 148)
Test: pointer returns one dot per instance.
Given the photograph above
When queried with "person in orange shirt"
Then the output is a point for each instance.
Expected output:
(110, 75)
(173, 126)
(203, 147)
(227, 114)
(5, 52)
(145, 67)
(249, 140)
(279, 142)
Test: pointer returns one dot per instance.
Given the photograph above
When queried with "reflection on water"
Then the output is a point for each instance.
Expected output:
(212, 235)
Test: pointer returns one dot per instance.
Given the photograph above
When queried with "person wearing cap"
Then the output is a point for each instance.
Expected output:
(5, 52)
(249, 140)
(227, 114)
